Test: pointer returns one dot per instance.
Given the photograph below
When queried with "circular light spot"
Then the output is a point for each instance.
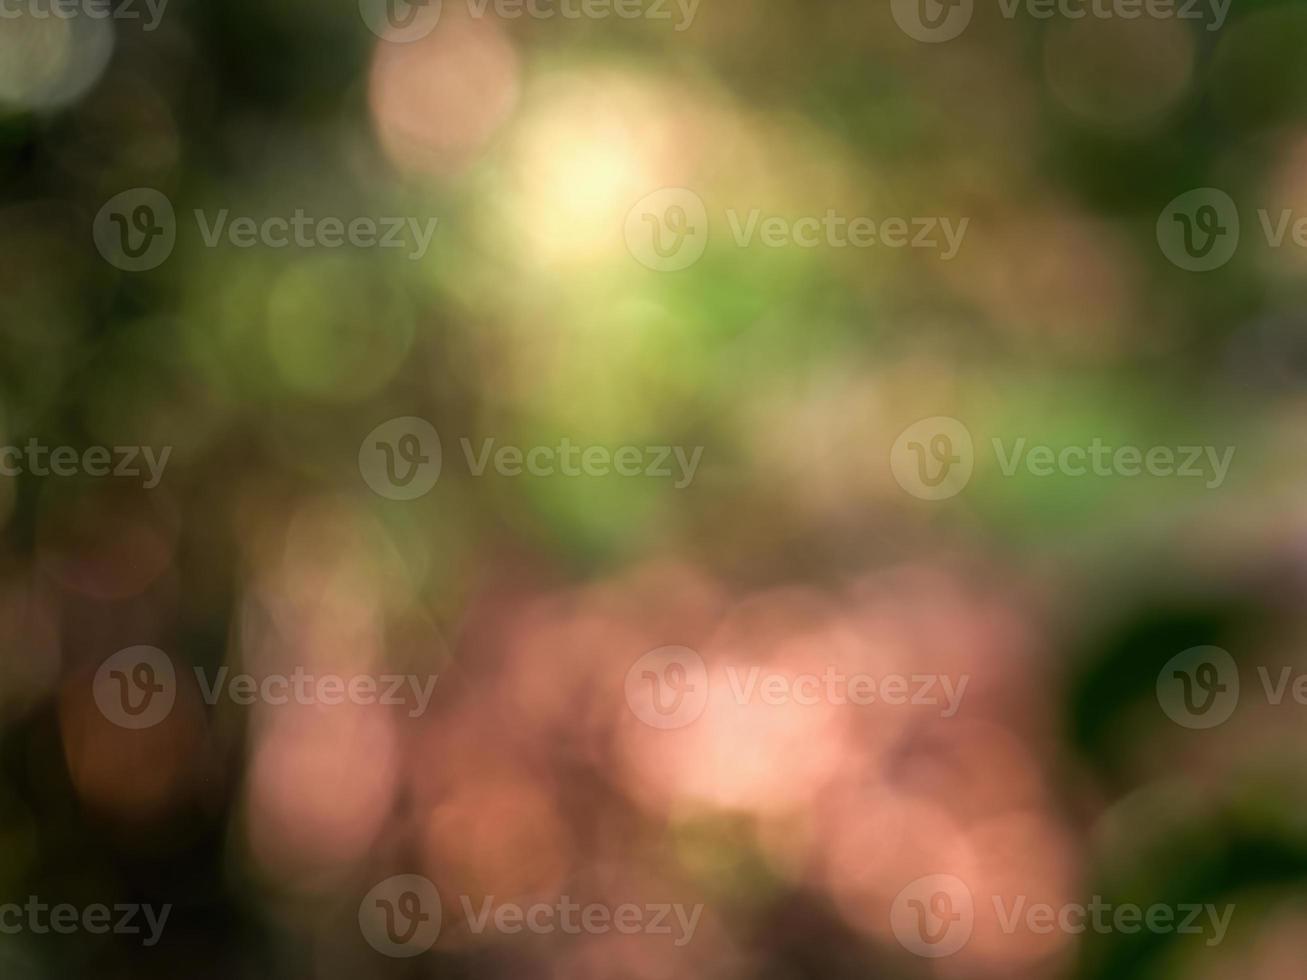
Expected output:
(1118, 74)
(47, 62)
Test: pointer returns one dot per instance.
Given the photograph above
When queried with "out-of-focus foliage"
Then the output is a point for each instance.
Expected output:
(529, 320)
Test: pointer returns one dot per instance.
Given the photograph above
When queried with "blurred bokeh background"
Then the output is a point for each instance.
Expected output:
(529, 321)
